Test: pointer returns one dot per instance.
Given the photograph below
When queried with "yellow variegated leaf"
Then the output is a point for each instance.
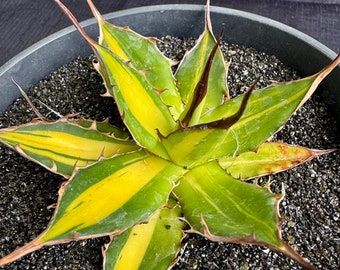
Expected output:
(142, 54)
(113, 188)
(63, 145)
(101, 199)
(150, 245)
(269, 158)
(142, 110)
(140, 105)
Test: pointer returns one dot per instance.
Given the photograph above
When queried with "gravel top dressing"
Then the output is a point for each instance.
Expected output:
(310, 216)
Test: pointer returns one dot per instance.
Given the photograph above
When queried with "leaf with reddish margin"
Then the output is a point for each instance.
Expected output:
(268, 158)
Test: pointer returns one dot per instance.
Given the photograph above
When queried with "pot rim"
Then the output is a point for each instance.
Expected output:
(316, 49)
(163, 8)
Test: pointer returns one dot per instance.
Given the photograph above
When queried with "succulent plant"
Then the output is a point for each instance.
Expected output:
(183, 165)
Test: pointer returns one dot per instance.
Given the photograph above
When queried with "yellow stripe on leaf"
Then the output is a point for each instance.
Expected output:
(103, 197)
(142, 53)
(135, 247)
(139, 103)
(64, 144)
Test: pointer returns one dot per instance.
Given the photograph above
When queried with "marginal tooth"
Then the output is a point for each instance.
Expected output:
(54, 167)
(93, 125)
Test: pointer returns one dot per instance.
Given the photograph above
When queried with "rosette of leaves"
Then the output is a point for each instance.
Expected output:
(182, 166)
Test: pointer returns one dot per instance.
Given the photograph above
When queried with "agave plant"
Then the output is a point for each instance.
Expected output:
(183, 164)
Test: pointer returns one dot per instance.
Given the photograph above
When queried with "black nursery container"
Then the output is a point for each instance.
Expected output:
(292, 47)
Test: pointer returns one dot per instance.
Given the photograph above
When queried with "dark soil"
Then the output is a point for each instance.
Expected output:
(310, 216)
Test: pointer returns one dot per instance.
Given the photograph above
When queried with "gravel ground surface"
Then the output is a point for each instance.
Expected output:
(310, 216)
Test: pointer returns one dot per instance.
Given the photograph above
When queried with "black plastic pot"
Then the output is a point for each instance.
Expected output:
(295, 49)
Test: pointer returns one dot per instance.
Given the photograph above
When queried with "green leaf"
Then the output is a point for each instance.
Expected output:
(269, 158)
(266, 112)
(191, 70)
(151, 245)
(223, 208)
(143, 55)
(63, 145)
(229, 208)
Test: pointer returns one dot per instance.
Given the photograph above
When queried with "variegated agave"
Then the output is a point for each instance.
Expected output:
(183, 171)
